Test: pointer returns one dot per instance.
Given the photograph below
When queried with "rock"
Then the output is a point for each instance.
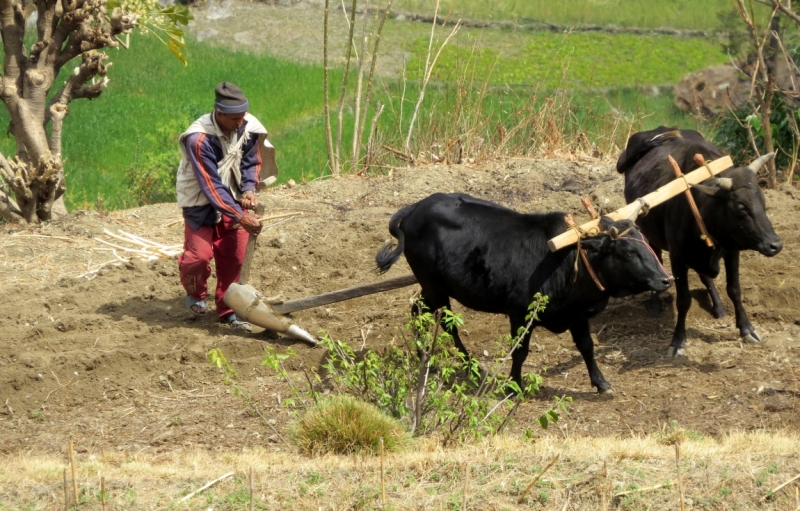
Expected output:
(208, 33)
(712, 90)
(244, 38)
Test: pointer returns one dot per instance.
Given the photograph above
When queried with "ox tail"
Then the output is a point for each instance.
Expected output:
(390, 253)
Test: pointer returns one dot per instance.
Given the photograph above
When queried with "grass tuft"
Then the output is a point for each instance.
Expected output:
(344, 425)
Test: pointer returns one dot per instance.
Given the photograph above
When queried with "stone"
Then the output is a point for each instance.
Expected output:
(711, 91)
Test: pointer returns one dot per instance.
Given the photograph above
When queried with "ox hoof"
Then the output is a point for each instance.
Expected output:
(751, 338)
(676, 352)
(605, 392)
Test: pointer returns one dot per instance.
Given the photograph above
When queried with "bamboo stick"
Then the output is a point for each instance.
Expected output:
(66, 493)
(653, 199)
(540, 474)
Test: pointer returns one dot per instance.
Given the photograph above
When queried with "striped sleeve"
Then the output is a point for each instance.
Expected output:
(204, 164)
(251, 164)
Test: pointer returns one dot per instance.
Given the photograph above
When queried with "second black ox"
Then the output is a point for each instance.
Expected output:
(732, 208)
(493, 259)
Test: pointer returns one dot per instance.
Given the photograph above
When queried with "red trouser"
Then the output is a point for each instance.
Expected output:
(227, 245)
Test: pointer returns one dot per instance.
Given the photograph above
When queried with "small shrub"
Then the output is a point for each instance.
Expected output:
(344, 425)
(152, 175)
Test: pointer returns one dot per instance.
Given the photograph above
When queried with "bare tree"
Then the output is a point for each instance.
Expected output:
(67, 32)
(768, 55)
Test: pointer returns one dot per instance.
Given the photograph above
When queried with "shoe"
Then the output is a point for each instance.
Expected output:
(232, 321)
(197, 306)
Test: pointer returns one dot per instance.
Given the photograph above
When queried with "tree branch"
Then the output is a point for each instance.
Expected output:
(12, 26)
(9, 209)
(775, 4)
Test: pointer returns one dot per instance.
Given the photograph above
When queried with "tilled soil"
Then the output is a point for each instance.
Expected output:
(116, 361)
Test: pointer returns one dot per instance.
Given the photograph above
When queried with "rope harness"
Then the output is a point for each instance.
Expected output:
(692, 205)
(581, 253)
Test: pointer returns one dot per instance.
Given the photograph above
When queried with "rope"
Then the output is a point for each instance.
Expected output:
(703, 231)
(645, 206)
(582, 254)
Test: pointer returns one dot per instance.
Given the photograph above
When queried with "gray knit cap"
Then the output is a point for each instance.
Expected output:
(229, 99)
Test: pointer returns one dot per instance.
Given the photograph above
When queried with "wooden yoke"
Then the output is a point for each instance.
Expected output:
(652, 199)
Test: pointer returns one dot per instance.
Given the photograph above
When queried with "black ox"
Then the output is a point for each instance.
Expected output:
(731, 206)
(493, 259)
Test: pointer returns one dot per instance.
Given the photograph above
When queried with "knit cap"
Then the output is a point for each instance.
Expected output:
(229, 99)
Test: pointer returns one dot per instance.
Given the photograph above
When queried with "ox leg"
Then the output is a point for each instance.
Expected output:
(434, 303)
(746, 329)
(521, 353)
(717, 309)
(583, 341)
(653, 305)
(683, 301)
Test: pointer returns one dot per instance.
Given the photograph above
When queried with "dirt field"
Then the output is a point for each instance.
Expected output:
(116, 363)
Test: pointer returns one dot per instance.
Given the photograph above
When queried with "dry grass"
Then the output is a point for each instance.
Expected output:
(734, 472)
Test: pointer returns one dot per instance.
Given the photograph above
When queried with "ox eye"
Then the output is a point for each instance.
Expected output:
(741, 209)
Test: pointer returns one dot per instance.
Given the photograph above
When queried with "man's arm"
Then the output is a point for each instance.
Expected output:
(251, 171)
(204, 165)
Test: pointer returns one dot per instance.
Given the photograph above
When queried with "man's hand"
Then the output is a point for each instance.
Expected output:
(249, 200)
(250, 223)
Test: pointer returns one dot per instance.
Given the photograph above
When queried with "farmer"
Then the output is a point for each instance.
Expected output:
(221, 165)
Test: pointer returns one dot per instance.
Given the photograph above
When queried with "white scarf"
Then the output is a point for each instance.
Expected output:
(229, 168)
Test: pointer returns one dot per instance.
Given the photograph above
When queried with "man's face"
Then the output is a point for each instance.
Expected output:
(229, 122)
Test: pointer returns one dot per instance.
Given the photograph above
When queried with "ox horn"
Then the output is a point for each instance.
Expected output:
(725, 183)
(756, 165)
(613, 232)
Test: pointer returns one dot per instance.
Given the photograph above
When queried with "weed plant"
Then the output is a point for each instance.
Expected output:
(343, 424)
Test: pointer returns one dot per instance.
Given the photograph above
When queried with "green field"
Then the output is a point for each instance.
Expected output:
(594, 60)
(683, 14)
(151, 95)
(130, 132)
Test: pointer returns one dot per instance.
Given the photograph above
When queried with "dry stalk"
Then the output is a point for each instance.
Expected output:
(72, 465)
(780, 487)
(66, 492)
(360, 124)
(383, 480)
(206, 486)
(250, 485)
(429, 66)
(466, 485)
(103, 492)
(340, 119)
(359, 84)
(540, 474)
(332, 162)
(678, 467)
